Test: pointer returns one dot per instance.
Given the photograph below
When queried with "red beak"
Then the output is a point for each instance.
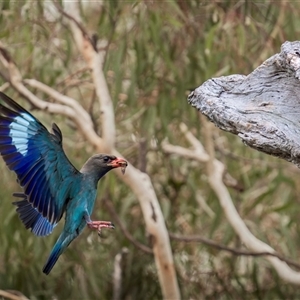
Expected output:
(119, 163)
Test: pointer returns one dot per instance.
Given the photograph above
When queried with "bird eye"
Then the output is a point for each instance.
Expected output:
(106, 159)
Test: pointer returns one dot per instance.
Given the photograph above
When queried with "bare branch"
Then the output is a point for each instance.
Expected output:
(118, 273)
(215, 176)
(68, 107)
(127, 234)
(15, 79)
(94, 60)
(4, 86)
(13, 295)
(63, 99)
(192, 139)
(197, 238)
(76, 19)
(75, 74)
(261, 108)
(185, 152)
(202, 203)
(82, 118)
(141, 185)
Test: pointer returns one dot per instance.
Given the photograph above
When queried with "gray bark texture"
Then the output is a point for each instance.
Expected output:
(263, 108)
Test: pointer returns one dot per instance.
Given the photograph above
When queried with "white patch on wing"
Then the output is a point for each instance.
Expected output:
(28, 117)
(19, 133)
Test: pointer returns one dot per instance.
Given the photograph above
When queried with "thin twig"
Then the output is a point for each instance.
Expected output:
(84, 32)
(127, 234)
(70, 76)
(200, 239)
(4, 86)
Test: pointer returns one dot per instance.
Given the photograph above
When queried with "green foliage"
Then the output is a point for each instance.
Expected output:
(157, 51)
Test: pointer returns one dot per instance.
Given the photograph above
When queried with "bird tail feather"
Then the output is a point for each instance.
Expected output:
(55, 253)
(62, 243)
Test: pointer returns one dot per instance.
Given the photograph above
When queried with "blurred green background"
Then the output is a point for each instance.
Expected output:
(156, 52)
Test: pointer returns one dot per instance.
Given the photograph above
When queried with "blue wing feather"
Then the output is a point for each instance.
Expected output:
(41, 166)
(31, 218)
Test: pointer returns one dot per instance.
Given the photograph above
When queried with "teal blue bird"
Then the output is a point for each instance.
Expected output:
(51, 185)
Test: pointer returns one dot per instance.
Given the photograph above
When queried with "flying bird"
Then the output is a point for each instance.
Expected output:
(51, 185)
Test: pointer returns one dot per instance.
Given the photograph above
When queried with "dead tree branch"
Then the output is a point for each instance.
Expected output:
(261, 108)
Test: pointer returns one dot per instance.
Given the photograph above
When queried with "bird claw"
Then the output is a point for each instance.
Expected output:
(99, 225)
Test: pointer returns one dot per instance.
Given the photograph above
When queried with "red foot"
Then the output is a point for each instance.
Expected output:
(99, 225)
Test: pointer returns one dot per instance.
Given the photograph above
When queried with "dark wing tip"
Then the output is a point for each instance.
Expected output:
(11, 103)
(57, 133)
(31, 218)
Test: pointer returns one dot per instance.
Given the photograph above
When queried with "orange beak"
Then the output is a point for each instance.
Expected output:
(119, 163)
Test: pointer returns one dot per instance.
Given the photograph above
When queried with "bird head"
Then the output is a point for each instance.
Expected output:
(102, 163)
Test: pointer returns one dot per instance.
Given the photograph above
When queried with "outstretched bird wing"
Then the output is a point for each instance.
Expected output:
(42, 168)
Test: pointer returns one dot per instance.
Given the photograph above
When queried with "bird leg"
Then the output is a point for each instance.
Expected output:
(98, 224)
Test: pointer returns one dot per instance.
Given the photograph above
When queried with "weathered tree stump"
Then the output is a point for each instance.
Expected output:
(263, 108)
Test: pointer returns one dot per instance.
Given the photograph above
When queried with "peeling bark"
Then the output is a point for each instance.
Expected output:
(263, 108)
